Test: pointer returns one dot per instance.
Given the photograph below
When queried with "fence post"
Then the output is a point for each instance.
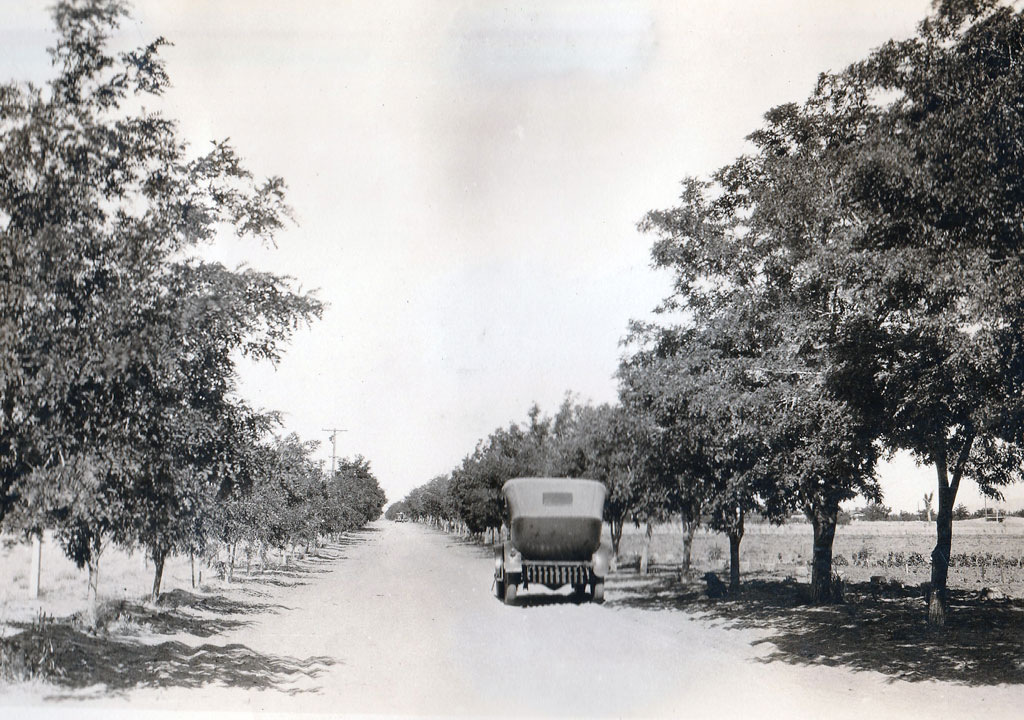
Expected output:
(37, 558)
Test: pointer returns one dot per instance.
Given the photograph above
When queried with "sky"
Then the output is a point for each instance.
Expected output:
(467, 178)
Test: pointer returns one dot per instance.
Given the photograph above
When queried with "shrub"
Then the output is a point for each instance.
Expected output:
(861, 557)
(30, 654)
(836, 588)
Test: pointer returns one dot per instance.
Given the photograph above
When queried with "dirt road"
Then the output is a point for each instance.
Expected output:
(400, 620)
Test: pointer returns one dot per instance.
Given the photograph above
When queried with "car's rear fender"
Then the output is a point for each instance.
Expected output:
(513, 559)
(601, 561)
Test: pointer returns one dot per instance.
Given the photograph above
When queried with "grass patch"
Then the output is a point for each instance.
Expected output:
(31, 654)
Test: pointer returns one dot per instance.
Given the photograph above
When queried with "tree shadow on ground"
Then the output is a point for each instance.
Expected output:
(314, 561)
(345, 543)
(291, 575)
(127, 654)
(111, 666)
(137, 616)
(882, 629)
(214, 603)
(268, 580)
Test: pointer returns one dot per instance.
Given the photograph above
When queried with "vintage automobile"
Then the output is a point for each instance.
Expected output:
(555, 526)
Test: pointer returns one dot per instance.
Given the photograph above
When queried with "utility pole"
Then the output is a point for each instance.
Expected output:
(334, 444)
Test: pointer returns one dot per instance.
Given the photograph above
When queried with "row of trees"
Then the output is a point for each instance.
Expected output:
(849, 288)
(119, 420)
(854, 285)
(580, 440)
(877, 512)
(289, 502)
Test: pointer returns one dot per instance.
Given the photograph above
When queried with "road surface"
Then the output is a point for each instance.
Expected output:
(400, 620)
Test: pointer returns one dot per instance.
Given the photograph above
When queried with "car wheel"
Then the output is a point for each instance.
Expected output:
(510, 593)
(599, 592)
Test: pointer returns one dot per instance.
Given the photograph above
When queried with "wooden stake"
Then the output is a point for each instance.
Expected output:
(37, 560)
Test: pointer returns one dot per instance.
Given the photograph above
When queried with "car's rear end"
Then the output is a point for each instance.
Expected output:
(555, 536)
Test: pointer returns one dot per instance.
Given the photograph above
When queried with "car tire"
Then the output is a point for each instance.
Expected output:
(510, 593)
(598, 592)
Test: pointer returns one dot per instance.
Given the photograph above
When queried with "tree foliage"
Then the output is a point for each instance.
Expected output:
(580, 440)
(118, 344)
(858, 276)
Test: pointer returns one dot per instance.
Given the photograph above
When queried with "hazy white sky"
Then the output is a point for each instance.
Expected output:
(467, 177)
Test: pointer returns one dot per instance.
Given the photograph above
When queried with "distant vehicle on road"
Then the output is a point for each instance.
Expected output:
(401, 517)
(556, 537)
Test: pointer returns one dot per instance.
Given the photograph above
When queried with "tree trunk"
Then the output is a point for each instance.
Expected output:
(735, 536)
(645, 556)
(689, 530)
(616, 528)
(94, 580)
(231, 562)
(192, 563)
(824, 524)
(159, 555)
(734, 560)
(92, 594)
(938, 604)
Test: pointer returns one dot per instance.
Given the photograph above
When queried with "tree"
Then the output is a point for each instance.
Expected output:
(938, 189)
(355, 488)
(702, 453)
(598, 443)
(876, 511)
(927, 502)
(476, 483)
(669, 476)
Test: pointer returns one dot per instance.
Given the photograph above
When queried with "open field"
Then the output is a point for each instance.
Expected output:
(985, 554)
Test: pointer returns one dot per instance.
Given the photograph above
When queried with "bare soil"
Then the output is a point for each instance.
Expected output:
(401, 620)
